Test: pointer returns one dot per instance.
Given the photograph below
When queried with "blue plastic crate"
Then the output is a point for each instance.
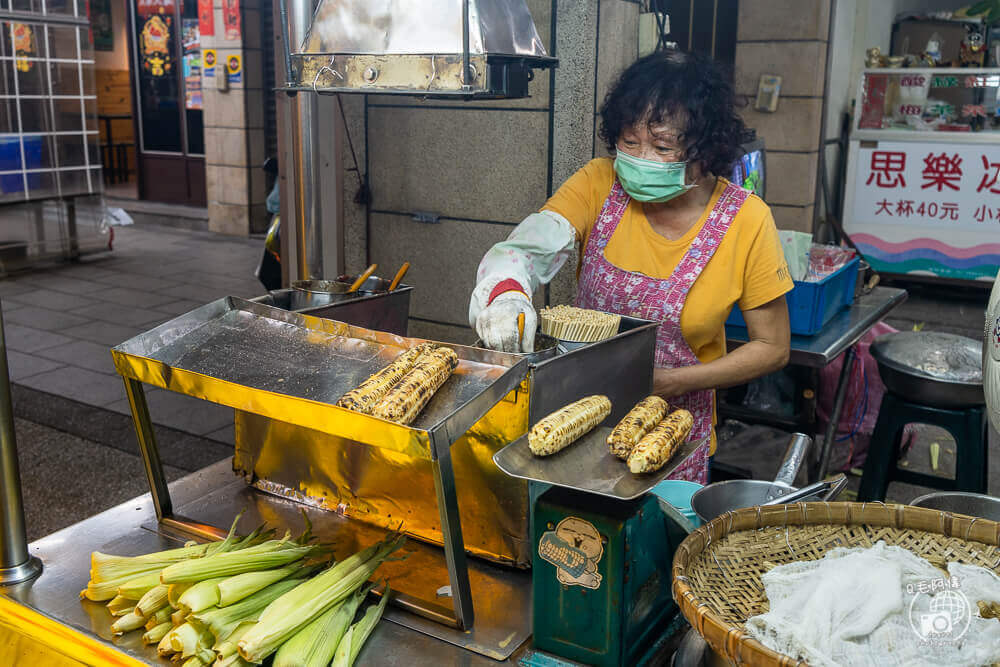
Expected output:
(10, 160)
(811, 305)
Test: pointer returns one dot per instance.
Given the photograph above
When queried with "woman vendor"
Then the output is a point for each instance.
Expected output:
(663, 236)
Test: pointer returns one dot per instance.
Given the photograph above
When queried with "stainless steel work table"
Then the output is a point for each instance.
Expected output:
(837, 337)
(131, 529)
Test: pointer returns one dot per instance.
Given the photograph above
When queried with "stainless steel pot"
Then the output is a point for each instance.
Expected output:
(931, 368)
(957, 502)
(546, 347)
(721, 497)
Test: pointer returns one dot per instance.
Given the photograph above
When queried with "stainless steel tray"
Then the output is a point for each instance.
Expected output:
(294, 367)
(586, 465)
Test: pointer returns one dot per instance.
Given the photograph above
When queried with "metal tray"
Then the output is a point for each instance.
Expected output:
(586, 465)
(378, 310)
(294, 367)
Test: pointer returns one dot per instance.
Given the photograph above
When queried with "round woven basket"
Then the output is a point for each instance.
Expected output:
(717, 569)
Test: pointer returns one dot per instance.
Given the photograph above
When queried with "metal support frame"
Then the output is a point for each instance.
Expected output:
(16, 564)
(838, 405)
(454, 545)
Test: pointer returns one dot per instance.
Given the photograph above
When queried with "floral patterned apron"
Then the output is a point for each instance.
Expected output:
(604, 286)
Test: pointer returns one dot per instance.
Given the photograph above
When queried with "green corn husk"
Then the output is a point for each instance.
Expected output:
(233, 660)
(286, 615)
(222, 621)
(154, 635)
(195, 661)
(178, 617)
(127, 623)
(201, 595)
(233, 589)
(162, 615)
(206, 655)
(226, 646)
(134, 589)
(188, 639)
(174, 593)
(155, 598)
(359, 634)
(163, 648)
(229, 564)
(315, 644)
(120, 606)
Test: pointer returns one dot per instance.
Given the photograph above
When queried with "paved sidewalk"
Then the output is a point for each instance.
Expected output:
(61, 321)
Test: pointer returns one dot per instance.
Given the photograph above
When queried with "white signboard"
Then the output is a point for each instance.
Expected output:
(927, 207)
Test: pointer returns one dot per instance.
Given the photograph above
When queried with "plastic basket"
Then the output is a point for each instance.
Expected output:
(811, 305)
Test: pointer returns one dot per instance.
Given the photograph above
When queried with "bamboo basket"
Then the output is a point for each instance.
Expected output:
(717, 569)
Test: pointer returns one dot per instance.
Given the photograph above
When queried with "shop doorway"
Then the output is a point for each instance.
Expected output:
(165, 59)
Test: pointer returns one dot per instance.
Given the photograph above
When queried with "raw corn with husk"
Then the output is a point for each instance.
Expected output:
(407, 398)
(154, 635)
(363, 398)
(286, 615)
(567, 424)
(222, 621)
(235, 588)
(128, 622)
(161, 616)
(236, 562)
(201, 595)
(639, 421)
(354, 640)
(659, 445)
(315, 644)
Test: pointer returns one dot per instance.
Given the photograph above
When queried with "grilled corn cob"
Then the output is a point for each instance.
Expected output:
(368, 393)
(561, 428)
(644, 416)
(657, 446)
(408, 397)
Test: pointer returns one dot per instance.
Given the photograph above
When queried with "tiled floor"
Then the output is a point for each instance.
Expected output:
(61, 321)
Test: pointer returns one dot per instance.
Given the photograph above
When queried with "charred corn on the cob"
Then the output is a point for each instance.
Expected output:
(368, 393)
(644, 416)
(657, 446)
(407, 398)
(561, 428)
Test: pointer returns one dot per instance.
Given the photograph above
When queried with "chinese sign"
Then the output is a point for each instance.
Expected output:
(234, 68)
(231, 17)
(208, 67)
(935, 207)
(206, 18)
(156, 45)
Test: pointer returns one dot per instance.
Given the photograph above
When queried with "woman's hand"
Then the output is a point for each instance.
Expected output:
(669, 382)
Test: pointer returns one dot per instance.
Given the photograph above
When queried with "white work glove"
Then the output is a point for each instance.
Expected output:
(497, 323)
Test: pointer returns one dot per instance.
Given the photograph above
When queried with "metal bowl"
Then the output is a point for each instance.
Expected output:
(957, 502)
(546, 347)
(931, 368)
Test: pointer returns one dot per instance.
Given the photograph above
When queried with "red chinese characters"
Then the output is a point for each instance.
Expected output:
(941, 171)
(887, 169)
(991, 174)
(985, 213)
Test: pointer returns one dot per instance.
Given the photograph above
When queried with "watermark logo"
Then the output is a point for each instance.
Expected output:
(946, 617)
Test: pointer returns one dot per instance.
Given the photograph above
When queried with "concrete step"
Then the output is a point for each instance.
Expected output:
(160, 213)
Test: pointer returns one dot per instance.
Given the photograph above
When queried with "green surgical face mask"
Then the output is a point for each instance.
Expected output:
(650, 181)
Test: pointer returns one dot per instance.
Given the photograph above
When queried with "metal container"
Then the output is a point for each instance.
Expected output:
(931, 368)
(958, 502)
(546, 347)
(381, 487)
(372, 309)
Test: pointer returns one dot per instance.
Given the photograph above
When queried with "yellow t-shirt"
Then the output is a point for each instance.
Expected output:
(748, 268)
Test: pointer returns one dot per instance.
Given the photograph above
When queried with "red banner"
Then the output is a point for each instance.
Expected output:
(231, 17)
(146, 8)
(206, 18)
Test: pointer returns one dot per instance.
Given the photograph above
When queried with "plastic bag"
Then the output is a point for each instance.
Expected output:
(861, 403)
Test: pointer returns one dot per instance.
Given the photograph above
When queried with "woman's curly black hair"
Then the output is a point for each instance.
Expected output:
(686, 87)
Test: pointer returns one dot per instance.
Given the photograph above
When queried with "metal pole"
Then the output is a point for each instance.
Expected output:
(147, 447)
(454, 546)
(466, 74)
(306, 161)
(15, 563)
(838, 407)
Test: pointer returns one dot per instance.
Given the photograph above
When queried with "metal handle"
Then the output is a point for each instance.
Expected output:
(398, 278)
(795, 454)
(829, 488)
(362, 278)
(520, 328)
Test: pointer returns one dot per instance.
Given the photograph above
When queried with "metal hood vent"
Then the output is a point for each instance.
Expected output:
(435, 48)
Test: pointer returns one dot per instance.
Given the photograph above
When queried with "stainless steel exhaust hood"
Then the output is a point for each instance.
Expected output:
(433, 48)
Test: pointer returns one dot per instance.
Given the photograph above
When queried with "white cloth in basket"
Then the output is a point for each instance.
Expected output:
(879, 606)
